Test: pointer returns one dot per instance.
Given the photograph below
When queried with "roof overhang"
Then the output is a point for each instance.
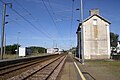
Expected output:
(97, 16)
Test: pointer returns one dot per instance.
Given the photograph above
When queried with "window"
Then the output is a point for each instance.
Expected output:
(94, 21)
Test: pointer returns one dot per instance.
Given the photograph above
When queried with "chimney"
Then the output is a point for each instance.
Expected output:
(94, 11)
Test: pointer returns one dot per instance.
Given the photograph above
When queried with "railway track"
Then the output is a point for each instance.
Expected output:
(25, 71)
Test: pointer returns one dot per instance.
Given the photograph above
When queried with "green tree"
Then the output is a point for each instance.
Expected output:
(10, 49)
(73, 50)
(113, 39)
(37, 49)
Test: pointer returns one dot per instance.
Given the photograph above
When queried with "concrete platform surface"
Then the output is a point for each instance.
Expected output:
(69, 70)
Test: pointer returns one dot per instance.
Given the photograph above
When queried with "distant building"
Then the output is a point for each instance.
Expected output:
(118, 44)
(52, 50)
(94, 37)
(118, 47)
(24, 51)
(60, 51)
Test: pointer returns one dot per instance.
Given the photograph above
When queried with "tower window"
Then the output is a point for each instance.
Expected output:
(94, 21)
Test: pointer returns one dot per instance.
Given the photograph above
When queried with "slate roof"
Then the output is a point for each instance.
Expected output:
(97, 16)
(91, 17)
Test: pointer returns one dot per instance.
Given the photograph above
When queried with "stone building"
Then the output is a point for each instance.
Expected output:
(94, 37)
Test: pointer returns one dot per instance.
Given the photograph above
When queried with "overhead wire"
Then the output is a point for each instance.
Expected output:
(50, 15)
(28, 21)
(24, 9)
(12, 20)
(21, 25)
(53, 14)
(57, 28)
(71, 23)
(31, 16)
(52, 9)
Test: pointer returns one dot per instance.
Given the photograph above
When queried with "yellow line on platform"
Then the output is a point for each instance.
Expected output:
(80, 73)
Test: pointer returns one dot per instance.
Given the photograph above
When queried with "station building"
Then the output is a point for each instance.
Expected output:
(94, 37)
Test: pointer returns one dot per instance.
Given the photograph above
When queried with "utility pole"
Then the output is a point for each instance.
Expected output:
(3, 26)
(2, 29)
(79, 44)
(81, 2)
(4, 44)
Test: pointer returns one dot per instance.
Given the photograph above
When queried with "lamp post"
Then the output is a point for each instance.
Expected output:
(44, 48)
(17, 44)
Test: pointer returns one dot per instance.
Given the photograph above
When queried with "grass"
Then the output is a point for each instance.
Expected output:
(105, 63)
(103, 69)
(9, 56)
(37, 54)
(14, 56)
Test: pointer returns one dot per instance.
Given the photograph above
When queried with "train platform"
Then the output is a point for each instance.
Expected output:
(72, 70)
(69, 70)
(59, 67)
(90, 70)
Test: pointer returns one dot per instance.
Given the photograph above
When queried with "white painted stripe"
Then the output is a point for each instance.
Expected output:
(80, 73)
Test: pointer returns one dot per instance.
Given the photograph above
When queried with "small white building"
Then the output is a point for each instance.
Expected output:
(52, 50)
(118, 47)
(94, 37)
(118, 44)
(60, 51)
(23, 51)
